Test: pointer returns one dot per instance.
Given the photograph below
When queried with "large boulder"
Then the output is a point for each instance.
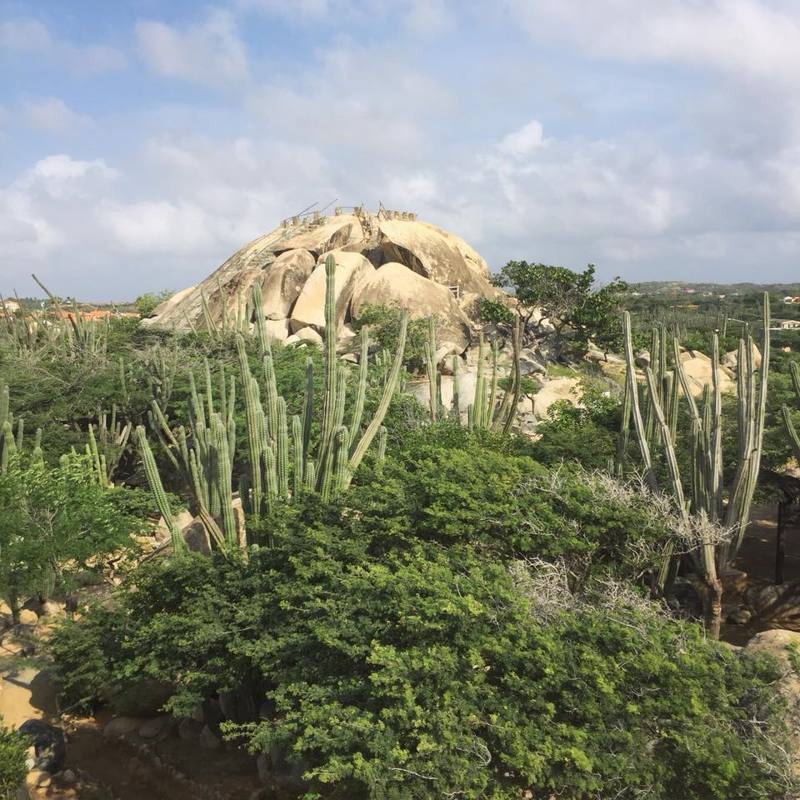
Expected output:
(697, 368)
(423, 249)
(553, 391)
(731, 358)
(224, 290)
(283, 281)
(351, 270)
(470, 255)
(396, 286)
(783, 646)
(285, 263)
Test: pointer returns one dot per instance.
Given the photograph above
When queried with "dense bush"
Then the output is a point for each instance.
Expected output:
(431, 671)
(587, 434)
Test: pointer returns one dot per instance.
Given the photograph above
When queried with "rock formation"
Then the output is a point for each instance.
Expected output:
(388, 258)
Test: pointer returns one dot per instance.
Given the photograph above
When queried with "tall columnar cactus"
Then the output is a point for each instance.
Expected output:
(7, 443)
(431, 367)
(157, 490)
(791, 430)
(706, 497)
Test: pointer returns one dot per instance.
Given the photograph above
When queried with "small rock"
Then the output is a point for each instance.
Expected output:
(38, 778)
(68, 776)
(153, 728)
(51, 608)
(740, 616)
(308, 334)
(209, 739)
(121, 726)
(197, 713)
(196, 537)
(28, 617)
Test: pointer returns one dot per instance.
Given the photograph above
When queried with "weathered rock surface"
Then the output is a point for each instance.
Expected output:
(697, 367)
(779, 644)
(351, 269)
(554, 390)
(397, 286)
(423, 249)
(284, 281)
(287, 264)
(333, 233)
(121, 726)
(731, 358)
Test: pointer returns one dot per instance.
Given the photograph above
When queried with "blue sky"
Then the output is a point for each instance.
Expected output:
(142, 142)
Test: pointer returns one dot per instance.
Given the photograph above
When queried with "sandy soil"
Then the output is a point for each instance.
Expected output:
(130, 769)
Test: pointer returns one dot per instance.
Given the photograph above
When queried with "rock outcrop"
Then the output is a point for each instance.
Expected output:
(397, 286)
(697, 368)
(387, 258)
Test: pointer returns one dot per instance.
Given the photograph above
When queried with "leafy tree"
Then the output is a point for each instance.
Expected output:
(494, 311)
(567, 299)
(54, 521)
(147, 303)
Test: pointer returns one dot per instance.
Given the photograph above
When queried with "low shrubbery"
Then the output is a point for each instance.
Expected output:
(466, 624)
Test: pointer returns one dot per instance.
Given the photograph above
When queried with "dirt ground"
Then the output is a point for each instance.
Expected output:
(757, 558)
(121, 769)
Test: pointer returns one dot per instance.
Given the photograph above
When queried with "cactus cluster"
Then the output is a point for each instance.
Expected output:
(483, 412)
(68, 335)
(657, 428)
(281, 461)
(106, 446)
(12, 432)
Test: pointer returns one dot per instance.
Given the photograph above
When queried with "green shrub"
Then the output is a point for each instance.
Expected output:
(54, 521)
(429, 671)
(13, 753)
(384, 324)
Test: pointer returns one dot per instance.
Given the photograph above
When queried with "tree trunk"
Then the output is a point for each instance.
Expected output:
(713, 607)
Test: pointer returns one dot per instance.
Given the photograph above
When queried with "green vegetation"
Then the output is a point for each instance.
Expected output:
(568, 300)
(415, 647)
(147, 303)
(396, 604)
(13, 752)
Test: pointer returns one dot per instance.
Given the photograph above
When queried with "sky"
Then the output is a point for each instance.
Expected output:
(144, 141)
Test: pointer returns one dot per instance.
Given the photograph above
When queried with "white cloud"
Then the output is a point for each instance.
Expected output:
(27, 35)
(524, 141)
(750, 38)
(158, 227)
(209, 52)
(53, 114)
(409, 191)
(421, 17)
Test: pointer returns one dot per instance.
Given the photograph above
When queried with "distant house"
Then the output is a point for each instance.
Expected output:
(785, 324)
(791, 300)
